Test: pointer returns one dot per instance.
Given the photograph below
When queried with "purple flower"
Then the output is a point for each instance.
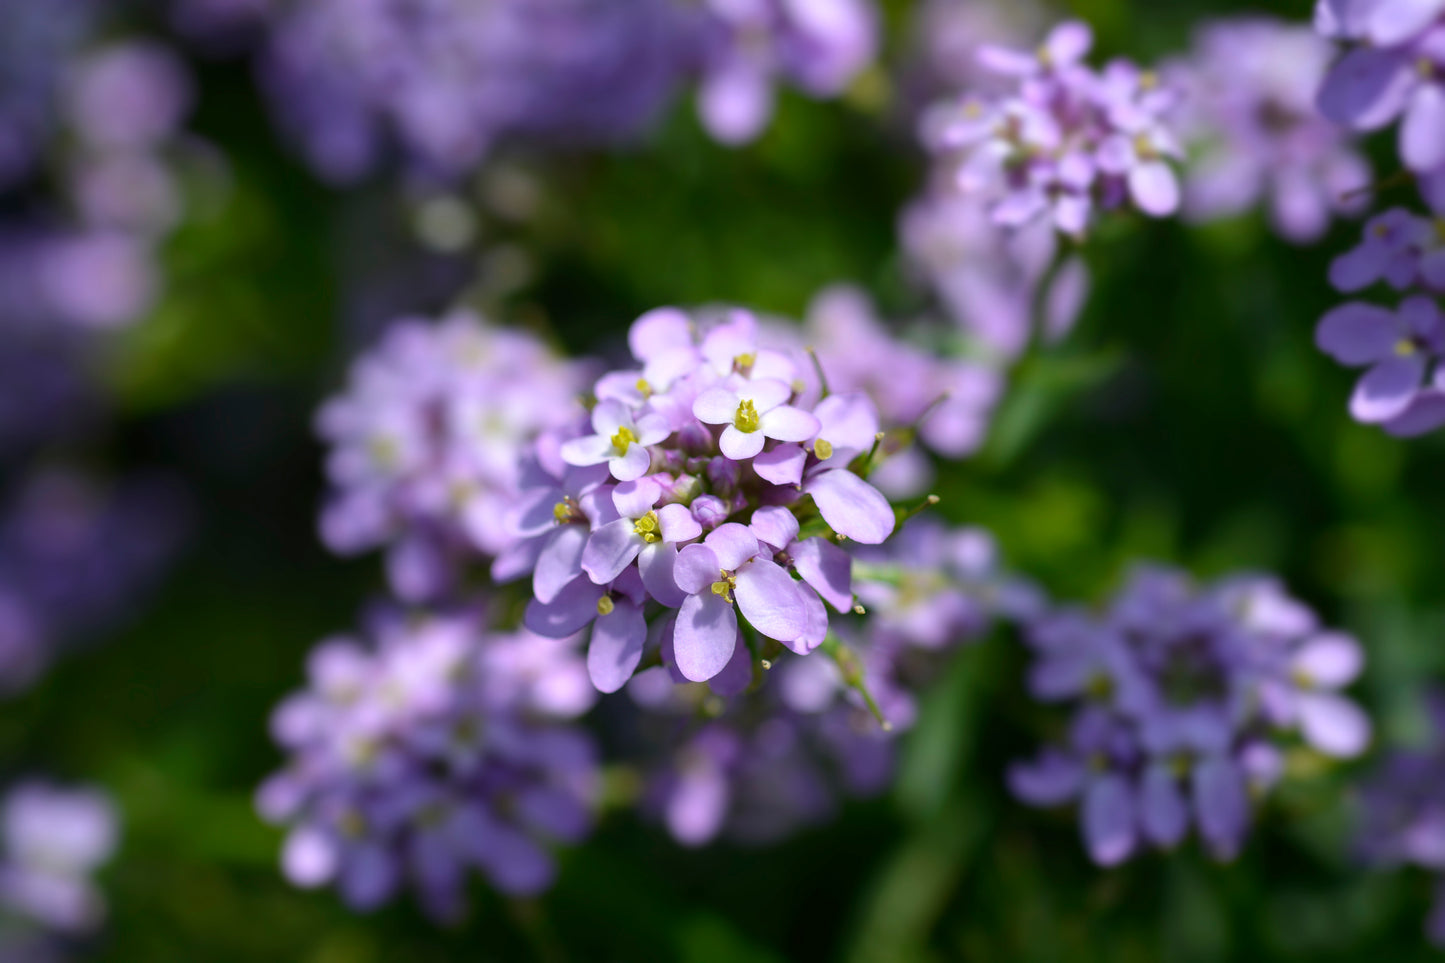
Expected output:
(53, 841)
(1069, 141)
(432, 751)
(1402, 349)
(619, 441)
(1399, 248)
(817, 46)
(753, 412)
(1248, 114)
(1183, 698)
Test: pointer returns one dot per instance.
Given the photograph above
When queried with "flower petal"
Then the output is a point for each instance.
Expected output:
(559, 562)
(1329, 660)
(774, 526)
(657, 564)
(677, 524)
(634, 464)
(1163, 813)
(610, 549)
(733, 544)
(1154, 188)
(587, 450)
(1367, 88)
(1387, 389)
(848, 422)
(851, 506)
(1333, 724)
(573, 608)
(1108, 819)
(769, 600)
(1049, 780)
(740, 445)
(782, 465)
(1357, 334)
(827, 568)
(1422, 132)
(616, 647)
(705, 636)
(786, 423)
(633, 499)
(1221, 806)
(696, 568)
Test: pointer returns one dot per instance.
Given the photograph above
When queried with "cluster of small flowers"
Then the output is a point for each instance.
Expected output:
(428, 750)
(755, 768)
(426, 443)
(817, 47)
(1404, 389)
(1393, 69)
(1402, 813)
(350, 81)
(943, 404)
(1185, 703)
(1068, 142)
(75, 555)
(698, 487)
(52, 841)
(1247, 114)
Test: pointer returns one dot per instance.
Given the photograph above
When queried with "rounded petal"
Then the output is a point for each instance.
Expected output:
(769, 600)
(740, 445)
(704, 637)
(573, 608)
(1329, 660)
(677, 523)
(609, 416)
(309, 858)
(658, 331)
(1388, 24)
(1108, 819)
(1163, 813)
(852, 506)
(559, 562)
(610, 549)
(1367, 88)
(1221, 805)
(588, 450)
(815, 623)
(1154, 188)
(786, 423)
(698, 804)
(633, 499)
(1049, 780)
(1387, 389)
(634, 464)
(782, 465)
(1333, 724)
(696, 569)
(717, 405)
(848, 422)
(737, 675)
(1422, 132)
(1357, 334)
(514, 863)
(658, 567)
(616, 647)
(828, 569)
(1425, 415)
(735, 104)
(733, 544)
(774, 525)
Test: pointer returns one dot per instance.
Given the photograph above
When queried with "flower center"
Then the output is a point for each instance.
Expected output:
(743, 363)
(605, 605)
(622, 439)
(823, 449)
(567, 511)
(647, 527)
(723, 587)
(384, 451)
(1144, 147)
(747, 417)
(1404, 347)
(1425, 67)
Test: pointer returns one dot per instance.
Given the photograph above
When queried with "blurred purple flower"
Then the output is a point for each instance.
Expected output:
(1248, 115)
(1184, 699)
(431, 749)
(53, 842)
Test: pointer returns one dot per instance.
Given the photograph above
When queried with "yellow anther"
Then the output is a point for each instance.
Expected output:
(384, 451)
(823, 449)
(644, 388)
(747, 417)
(561, 511)
(1302, 679)
(1405, 347)
(1148, 80)
(1425, 67)
(647, 527)
(622, 439)
(1440, 229)
(567, 511)
(1144, 147)
(1045, 58)
(744, 362)
(724, 586)
(605, 605)
(973, 110)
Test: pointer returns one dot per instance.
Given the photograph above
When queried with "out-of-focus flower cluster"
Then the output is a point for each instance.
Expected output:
(445, 82)
(428, 749)
(1186, 702)
(1247, 113)
(427, 441)
(52, 841)
(1067, 142)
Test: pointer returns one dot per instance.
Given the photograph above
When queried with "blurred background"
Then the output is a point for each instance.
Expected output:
(159, 547)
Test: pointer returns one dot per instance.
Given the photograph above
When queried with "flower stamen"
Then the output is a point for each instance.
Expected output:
(647, 527)
(622, 439)
(747, 419)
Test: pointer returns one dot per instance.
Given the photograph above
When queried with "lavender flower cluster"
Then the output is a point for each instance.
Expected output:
(430, 748)
(1186, 702)
(357, 83)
